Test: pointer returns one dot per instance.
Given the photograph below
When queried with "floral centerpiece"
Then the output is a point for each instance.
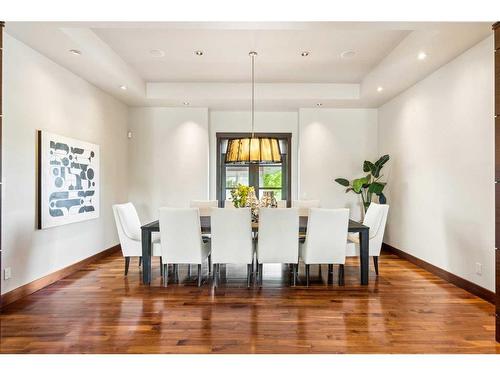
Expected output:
(239, 195)
(244, 196)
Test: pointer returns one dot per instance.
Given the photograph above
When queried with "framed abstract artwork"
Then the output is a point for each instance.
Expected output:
(68, 180)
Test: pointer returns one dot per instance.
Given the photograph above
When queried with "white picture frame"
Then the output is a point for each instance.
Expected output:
(68, 180)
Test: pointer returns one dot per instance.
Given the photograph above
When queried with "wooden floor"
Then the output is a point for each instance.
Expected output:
(98, 310)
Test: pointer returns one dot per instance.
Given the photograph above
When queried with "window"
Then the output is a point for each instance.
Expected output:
(263, 177)
(271, 179)
(235, 174)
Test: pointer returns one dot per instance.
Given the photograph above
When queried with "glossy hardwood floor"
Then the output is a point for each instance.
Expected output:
(98, 310)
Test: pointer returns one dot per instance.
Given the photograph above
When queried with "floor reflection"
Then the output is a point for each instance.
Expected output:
(98, 310)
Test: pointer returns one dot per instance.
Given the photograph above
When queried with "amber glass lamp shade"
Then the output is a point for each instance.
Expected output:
(253, 150)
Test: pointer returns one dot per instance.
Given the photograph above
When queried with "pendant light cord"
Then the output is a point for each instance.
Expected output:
(253, 90)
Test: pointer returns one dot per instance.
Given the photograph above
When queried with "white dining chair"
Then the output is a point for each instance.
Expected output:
(128, 226)
(204, 206)
(375, 219)
(278, 238)
(281, 204)
(305, 205)
(228, 204)
(326, 240)
(181, 241)
(231, 239)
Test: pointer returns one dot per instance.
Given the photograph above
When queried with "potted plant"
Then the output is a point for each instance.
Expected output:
(369, 185)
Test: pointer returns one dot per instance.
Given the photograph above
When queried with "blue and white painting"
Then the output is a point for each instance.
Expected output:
(69, 185)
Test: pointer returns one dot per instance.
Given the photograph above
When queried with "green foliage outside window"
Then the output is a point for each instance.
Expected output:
(272, 180)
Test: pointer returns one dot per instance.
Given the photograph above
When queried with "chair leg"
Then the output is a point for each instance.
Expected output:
(255, 267)
(218, 274)
(127, 263)
(294, 270)
(165, 274)
(209, 264)
(161, 267)
(140, 261)
(307, 274)
(257, 273)
(341, 274)
(261, 273)
(176, 273)
(375, 263)
(249, 274)
(214, 275)
(297, 272)
(330, 274)
(189, 271)
(199, 275)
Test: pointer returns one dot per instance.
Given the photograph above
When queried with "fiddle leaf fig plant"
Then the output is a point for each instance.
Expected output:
(369, 185)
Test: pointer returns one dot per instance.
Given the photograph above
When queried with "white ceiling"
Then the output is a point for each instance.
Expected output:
(226, 57)
(118, 53)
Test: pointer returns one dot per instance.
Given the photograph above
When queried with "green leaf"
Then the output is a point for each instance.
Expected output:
(383, 159)
(358, 183)
(342, 181)
(367, 166)
(368, 178)
(379, 164)
(376, 187)
(376, 170)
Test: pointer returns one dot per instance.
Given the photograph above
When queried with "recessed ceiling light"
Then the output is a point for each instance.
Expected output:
(380, 89)
(123, 87)
(186, 103)
(75, 52)
(304, 53)
(422, 55)
(198, 53)
(157, 52)
(349, 54)
(319, 104)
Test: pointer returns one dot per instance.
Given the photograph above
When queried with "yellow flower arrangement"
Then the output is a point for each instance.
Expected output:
(239, 195)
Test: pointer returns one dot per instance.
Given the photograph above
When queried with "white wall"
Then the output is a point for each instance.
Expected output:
(440, 135)
(168, 158)
(334, 143)
(39, 94)
(240, 121)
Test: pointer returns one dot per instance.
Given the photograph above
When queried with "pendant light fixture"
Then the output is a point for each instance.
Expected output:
(253, 149)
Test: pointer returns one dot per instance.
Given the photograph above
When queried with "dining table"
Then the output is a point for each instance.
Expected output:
(353, 227)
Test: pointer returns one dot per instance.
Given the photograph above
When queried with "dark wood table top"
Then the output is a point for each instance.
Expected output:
(154, 226)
